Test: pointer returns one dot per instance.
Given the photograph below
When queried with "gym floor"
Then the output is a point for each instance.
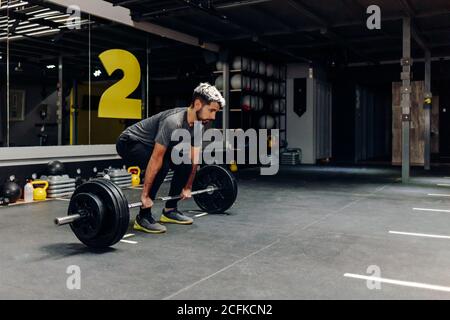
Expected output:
(307, 233)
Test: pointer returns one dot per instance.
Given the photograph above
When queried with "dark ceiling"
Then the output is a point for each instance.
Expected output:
(298, 30)
(282, 30)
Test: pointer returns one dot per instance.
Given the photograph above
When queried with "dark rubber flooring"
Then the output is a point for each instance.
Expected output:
(290, 236)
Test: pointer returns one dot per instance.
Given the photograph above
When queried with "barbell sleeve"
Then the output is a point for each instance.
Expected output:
(67, 219)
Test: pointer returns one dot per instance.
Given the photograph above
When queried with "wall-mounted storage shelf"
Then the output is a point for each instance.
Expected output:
(259, 93)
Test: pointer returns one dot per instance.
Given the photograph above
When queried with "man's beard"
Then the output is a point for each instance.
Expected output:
(204, 121)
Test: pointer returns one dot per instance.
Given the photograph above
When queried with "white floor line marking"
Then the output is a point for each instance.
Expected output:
(399, 282)
(438, 195)
(431, 210)
(443, 185)
(62, 199)
(128, 241)
(128, 235)
(221, 270)
(201, 215)
(420, 235)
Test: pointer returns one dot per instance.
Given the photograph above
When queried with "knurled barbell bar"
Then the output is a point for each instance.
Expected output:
(82, 212)
(98, 211)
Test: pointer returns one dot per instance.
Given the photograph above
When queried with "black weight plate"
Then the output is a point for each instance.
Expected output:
(125, 219)
(114, 215)
(123, 213)
(220, 200)
(111, 219)
(91, 207)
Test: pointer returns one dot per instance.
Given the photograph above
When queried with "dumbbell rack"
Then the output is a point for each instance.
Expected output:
(59, 186)
(120, 177)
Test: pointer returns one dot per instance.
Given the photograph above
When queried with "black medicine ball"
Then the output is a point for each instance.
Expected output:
(55, 168)
(12, 191)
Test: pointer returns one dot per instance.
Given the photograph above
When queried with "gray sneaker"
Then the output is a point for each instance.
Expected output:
(148, 225)
(176, 217)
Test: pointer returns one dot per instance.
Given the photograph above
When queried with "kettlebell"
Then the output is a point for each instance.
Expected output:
(135, 176)
(39, 193)
(233, 166)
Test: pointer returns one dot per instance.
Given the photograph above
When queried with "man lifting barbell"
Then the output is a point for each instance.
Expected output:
(98, 211)
(148, 144)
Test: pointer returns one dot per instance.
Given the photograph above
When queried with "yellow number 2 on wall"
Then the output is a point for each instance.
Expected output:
(114, 102)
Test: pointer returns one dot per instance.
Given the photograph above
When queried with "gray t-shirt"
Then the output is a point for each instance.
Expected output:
(159, 128)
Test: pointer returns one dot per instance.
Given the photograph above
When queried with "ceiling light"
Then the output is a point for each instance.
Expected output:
(43, 32)
(97, 73)
(37, 11)
(9, 6)
(32, 30)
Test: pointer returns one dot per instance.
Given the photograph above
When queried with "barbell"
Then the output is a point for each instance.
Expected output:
(98, 211)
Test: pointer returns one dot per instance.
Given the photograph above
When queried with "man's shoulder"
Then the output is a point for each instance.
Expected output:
(173, 117)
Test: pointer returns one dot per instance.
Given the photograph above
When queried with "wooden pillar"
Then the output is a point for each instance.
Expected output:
(427, 106)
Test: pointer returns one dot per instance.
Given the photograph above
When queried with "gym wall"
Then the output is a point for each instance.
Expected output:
(311, 132)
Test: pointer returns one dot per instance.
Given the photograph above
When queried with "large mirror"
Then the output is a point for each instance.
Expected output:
(71, 78)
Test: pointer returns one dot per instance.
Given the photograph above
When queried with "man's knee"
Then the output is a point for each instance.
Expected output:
(119, 148)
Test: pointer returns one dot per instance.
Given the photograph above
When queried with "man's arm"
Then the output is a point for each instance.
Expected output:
(186, 193)
(195, 152)
(153, 167)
